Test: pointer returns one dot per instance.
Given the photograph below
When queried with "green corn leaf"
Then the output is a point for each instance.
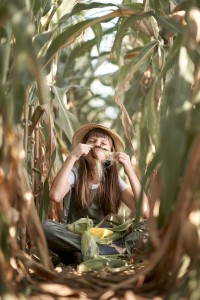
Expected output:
(63, 9)
(68, 35)
(98, 32)
(65, 119)
(44, 204)
(79, 7)
(122, 30)
(169, 24)
(127, 71)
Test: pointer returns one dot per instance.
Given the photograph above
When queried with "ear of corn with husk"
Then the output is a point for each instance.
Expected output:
(89, 247)
(123, 227)
(117, 232)
(103, 263)
(80, 225)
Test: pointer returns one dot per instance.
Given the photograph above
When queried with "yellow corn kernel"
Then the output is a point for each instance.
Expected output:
(100, 232)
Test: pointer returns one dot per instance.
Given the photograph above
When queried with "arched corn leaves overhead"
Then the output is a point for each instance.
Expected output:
(133, 65)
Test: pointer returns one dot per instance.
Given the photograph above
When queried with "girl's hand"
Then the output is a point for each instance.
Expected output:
(81, 149)
(124, 160)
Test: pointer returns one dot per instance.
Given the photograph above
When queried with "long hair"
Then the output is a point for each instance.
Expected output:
(108, 192)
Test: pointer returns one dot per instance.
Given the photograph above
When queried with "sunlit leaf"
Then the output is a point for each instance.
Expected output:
(5, 49)
(97, 29)
(64, 8)
(127, 71)
(68, 35)
(152, 119)
(169, 25)
(65, 118)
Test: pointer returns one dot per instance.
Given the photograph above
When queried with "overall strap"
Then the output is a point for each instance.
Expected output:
(67, 201)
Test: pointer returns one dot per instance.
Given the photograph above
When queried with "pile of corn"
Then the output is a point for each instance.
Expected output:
(92, 236)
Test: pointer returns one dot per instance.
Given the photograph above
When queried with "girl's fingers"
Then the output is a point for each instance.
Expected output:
(122, 157)
(82, 149)
(86, 149)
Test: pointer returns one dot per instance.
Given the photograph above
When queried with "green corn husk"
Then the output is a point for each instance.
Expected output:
(124, 226)
(80, 225)
(111, 238)
(102, 263)
(89, 248)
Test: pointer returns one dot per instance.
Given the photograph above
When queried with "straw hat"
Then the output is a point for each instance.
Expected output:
(83, 130)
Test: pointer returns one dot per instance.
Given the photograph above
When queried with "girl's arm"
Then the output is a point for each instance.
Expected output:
(130, 197)
(60, 185)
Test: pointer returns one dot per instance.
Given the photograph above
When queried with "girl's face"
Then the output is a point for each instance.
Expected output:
(102, 144)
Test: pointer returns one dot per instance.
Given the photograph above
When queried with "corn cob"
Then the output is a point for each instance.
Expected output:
(100, 232)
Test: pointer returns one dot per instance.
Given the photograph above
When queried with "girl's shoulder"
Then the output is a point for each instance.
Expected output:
(122, 184)
(73, 176)
(75, 171)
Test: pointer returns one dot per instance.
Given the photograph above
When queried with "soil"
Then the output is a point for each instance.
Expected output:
(68, 283)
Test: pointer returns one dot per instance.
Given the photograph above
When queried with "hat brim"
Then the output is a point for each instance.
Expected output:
(83, 130)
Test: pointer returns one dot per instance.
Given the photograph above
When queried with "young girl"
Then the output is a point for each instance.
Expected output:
(94, 188)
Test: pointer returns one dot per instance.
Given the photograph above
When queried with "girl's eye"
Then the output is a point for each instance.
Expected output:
(105, 146)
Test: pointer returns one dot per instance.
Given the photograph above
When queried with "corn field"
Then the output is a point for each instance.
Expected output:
(134, 65)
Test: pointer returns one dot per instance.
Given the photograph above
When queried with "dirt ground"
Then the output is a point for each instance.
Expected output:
(69, 283)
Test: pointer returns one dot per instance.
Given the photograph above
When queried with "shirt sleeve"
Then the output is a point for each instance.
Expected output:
(122, 184)
(72, 176)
